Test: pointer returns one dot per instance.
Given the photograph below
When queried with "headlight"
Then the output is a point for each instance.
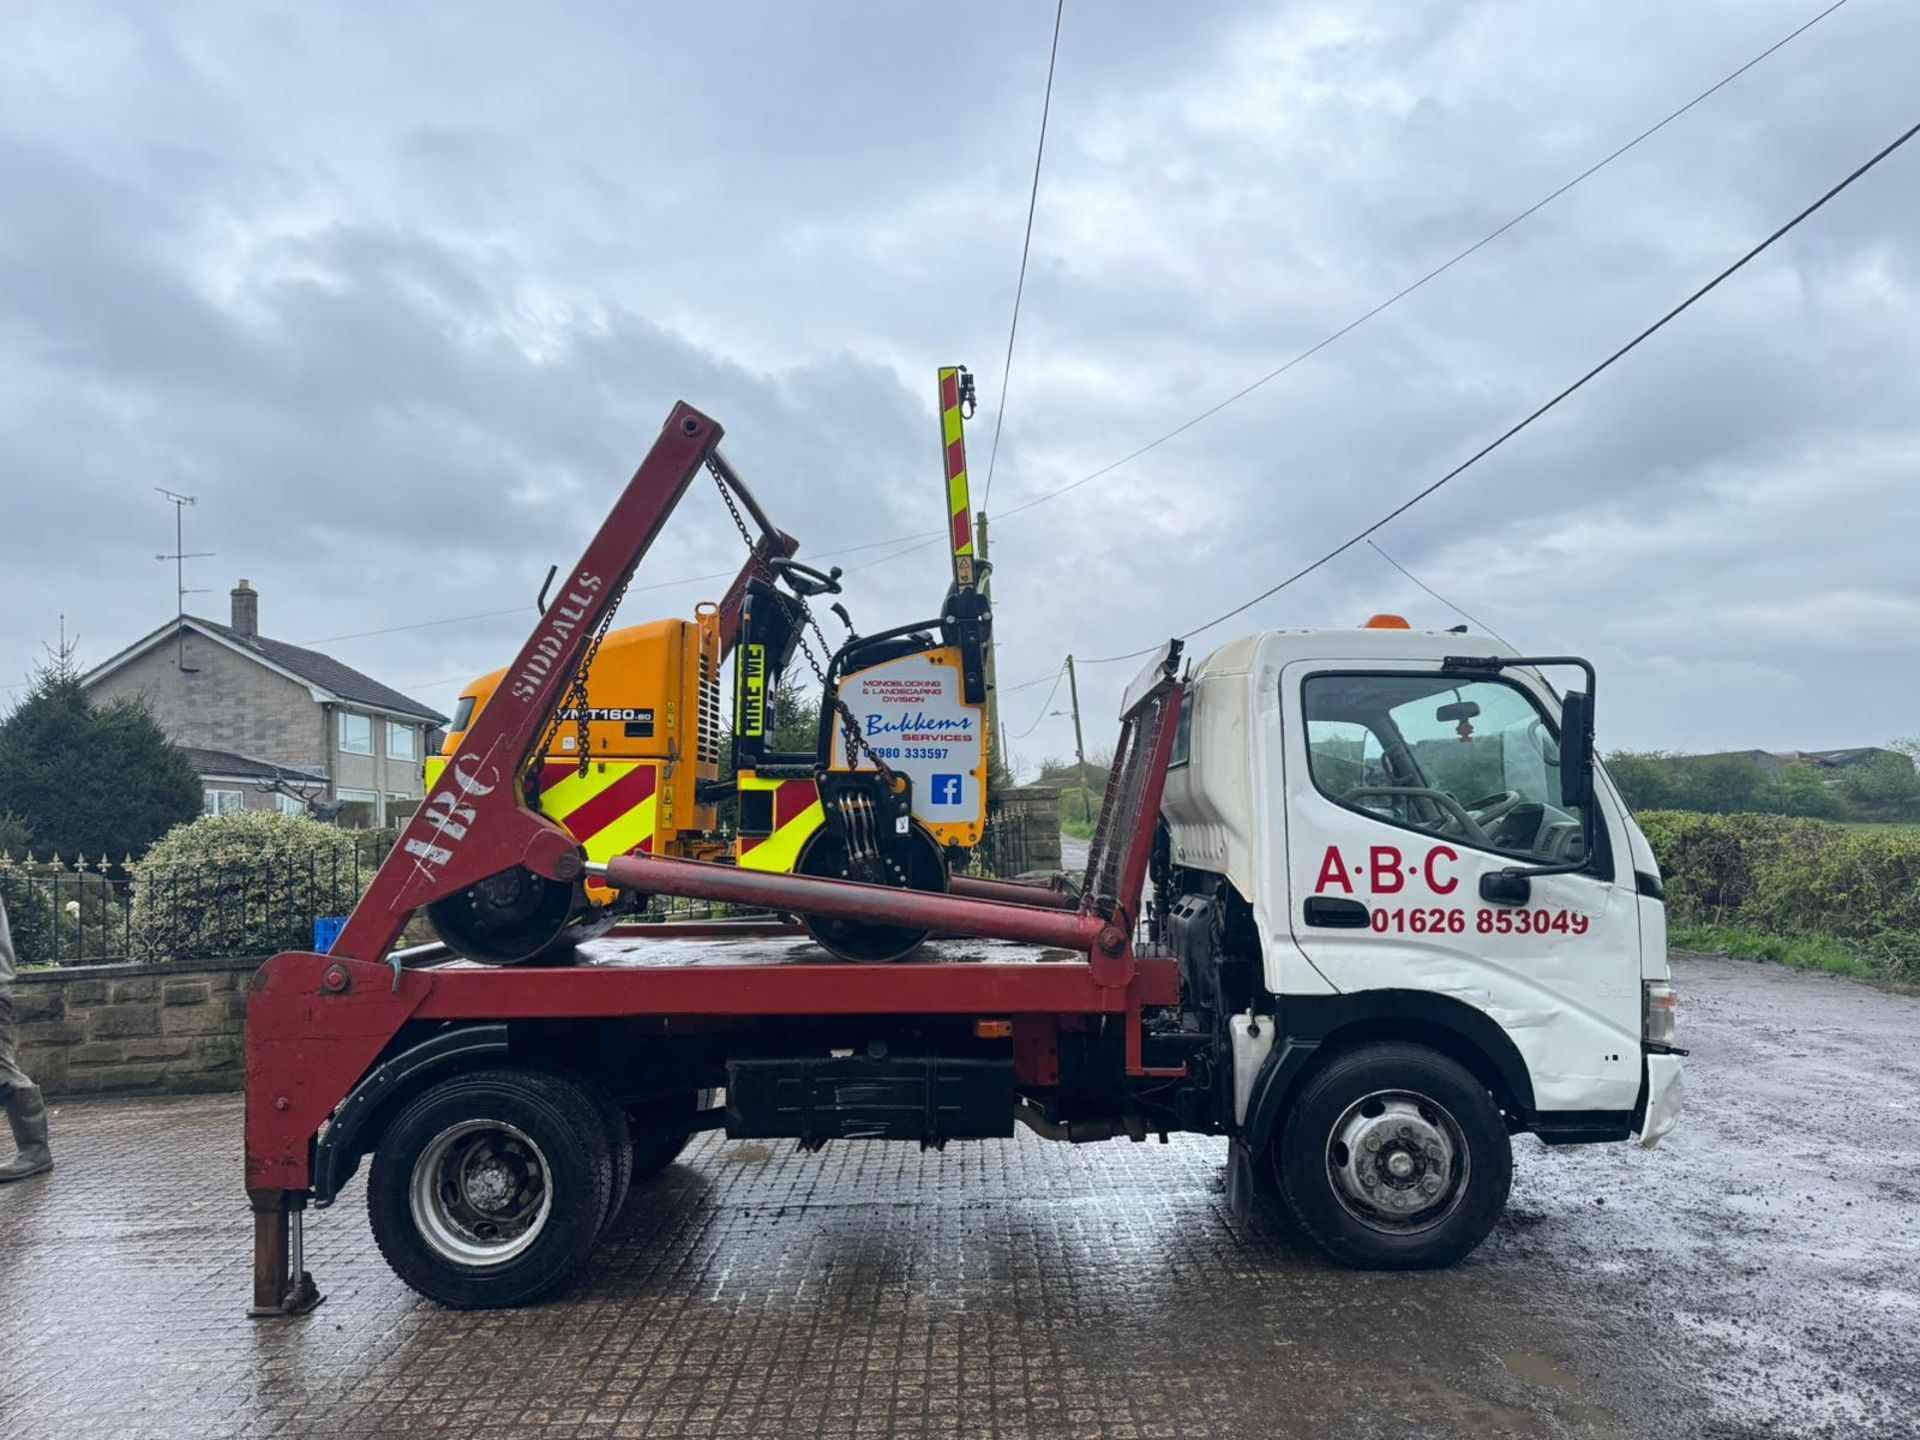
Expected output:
(1658, 1003)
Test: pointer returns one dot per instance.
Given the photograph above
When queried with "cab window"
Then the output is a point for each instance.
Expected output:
(1474, 760)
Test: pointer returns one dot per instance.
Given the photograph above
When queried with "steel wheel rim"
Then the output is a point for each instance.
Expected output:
(1398, 1162)
(481, 1193)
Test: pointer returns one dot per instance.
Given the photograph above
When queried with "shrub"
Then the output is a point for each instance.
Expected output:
(1793, 877)
(1886, 787)
(59, 915)
(30, 914)
(250, 883)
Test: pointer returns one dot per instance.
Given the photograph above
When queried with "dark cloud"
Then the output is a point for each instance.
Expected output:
(402, 300)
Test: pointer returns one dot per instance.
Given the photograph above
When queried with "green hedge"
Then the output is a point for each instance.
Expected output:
(248, 883)
(1789, 877)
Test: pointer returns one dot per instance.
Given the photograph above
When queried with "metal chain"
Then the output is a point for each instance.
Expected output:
(856, 742)
(576, 698)
(850, 727)
(720, 484)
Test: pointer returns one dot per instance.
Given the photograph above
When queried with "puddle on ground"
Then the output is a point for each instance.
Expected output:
(1541, 1370)
(745, 1155)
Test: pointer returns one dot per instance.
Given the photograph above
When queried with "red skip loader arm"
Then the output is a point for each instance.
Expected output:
(476, 824)
(316, 1024)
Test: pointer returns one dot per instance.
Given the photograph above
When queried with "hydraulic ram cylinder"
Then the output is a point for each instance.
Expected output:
(872, 904)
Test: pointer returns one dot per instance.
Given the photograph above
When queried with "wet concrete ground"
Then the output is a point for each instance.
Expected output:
(1757, 1276)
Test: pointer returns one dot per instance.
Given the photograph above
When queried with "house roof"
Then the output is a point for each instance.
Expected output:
(1853, 756)
(326, 676)
(225, 765)
(328, 673)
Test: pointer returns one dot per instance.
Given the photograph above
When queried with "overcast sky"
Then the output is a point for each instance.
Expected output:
(402, 292)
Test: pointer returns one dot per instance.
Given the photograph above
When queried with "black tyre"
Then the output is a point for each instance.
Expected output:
(620, 1149)
(1394, 1157)
(490, 1188)
(660, 1130)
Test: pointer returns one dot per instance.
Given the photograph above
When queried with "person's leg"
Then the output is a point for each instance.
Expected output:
(26, 1109)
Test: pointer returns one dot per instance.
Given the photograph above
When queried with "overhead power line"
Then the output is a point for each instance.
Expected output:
(1535, 414)
(1394, 299)
(1026, 244)
(1464, 615)
(925, 537)
(1404, 292)
(914, 548)
(1058, 676)
(1029, 684)
(930, 536)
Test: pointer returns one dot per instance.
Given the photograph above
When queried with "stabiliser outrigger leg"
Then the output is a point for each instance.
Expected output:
(477, 824)
(318, 1026)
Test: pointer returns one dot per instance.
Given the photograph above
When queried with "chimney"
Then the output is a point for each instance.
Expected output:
(246, 610)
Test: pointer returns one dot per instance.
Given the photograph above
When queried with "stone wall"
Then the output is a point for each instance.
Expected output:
(162, 1029)
(1026, 830)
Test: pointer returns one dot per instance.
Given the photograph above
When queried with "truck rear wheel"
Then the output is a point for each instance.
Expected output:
(490, 1188)
(620, 1149)
(1394, 1157)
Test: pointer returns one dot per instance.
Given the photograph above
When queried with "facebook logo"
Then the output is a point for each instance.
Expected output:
(946, 789)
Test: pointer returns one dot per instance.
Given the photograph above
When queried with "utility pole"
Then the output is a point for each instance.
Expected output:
(986, 589)
(1080, 745)
(180, 556)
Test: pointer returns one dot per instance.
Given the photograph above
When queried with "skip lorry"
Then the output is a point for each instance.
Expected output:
(1362, 904)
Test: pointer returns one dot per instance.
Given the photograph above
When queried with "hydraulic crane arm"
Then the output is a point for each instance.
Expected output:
(475, 824)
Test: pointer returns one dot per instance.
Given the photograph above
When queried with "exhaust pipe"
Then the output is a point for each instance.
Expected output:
(1080, 1132)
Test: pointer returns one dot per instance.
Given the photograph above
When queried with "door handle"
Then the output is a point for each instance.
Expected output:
(1332, 912)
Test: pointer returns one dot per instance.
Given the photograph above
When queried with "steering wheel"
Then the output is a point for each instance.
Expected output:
(804, 580)
(1493, 807)
(1468, 825)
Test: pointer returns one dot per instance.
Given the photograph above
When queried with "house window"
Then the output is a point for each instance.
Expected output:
(356, 733)
(403, 741)
(359, 809)
(400, 808)
(222, 802)
(289, 805)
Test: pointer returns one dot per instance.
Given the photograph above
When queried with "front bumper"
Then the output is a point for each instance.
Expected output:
(1666, 1094)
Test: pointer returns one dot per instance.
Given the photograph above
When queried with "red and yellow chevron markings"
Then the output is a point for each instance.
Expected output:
(959, 506)
(796, 815)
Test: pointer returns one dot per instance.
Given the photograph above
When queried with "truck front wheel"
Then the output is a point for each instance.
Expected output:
(490, 1188)
(1394, 1157)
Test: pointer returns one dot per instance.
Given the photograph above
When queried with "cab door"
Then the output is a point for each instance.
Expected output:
(1407, 786)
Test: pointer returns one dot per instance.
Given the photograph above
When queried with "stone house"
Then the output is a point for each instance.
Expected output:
(268, 725)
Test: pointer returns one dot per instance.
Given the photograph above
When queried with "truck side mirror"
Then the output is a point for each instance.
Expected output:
(1576, 749)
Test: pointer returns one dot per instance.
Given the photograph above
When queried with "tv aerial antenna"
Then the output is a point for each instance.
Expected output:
(180, 556)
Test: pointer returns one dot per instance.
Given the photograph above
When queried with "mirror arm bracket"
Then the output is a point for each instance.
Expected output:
(1498, 885)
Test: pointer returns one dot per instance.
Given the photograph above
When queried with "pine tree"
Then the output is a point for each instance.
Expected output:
(90, 780)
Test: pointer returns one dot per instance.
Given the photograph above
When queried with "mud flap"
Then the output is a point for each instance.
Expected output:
(1239, 1181)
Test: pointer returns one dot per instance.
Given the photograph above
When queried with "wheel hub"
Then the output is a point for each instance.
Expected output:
(480, 1193)
(1398, 1161)
(490, 1187)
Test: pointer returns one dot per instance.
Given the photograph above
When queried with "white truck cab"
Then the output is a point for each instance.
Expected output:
(1377, 855)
